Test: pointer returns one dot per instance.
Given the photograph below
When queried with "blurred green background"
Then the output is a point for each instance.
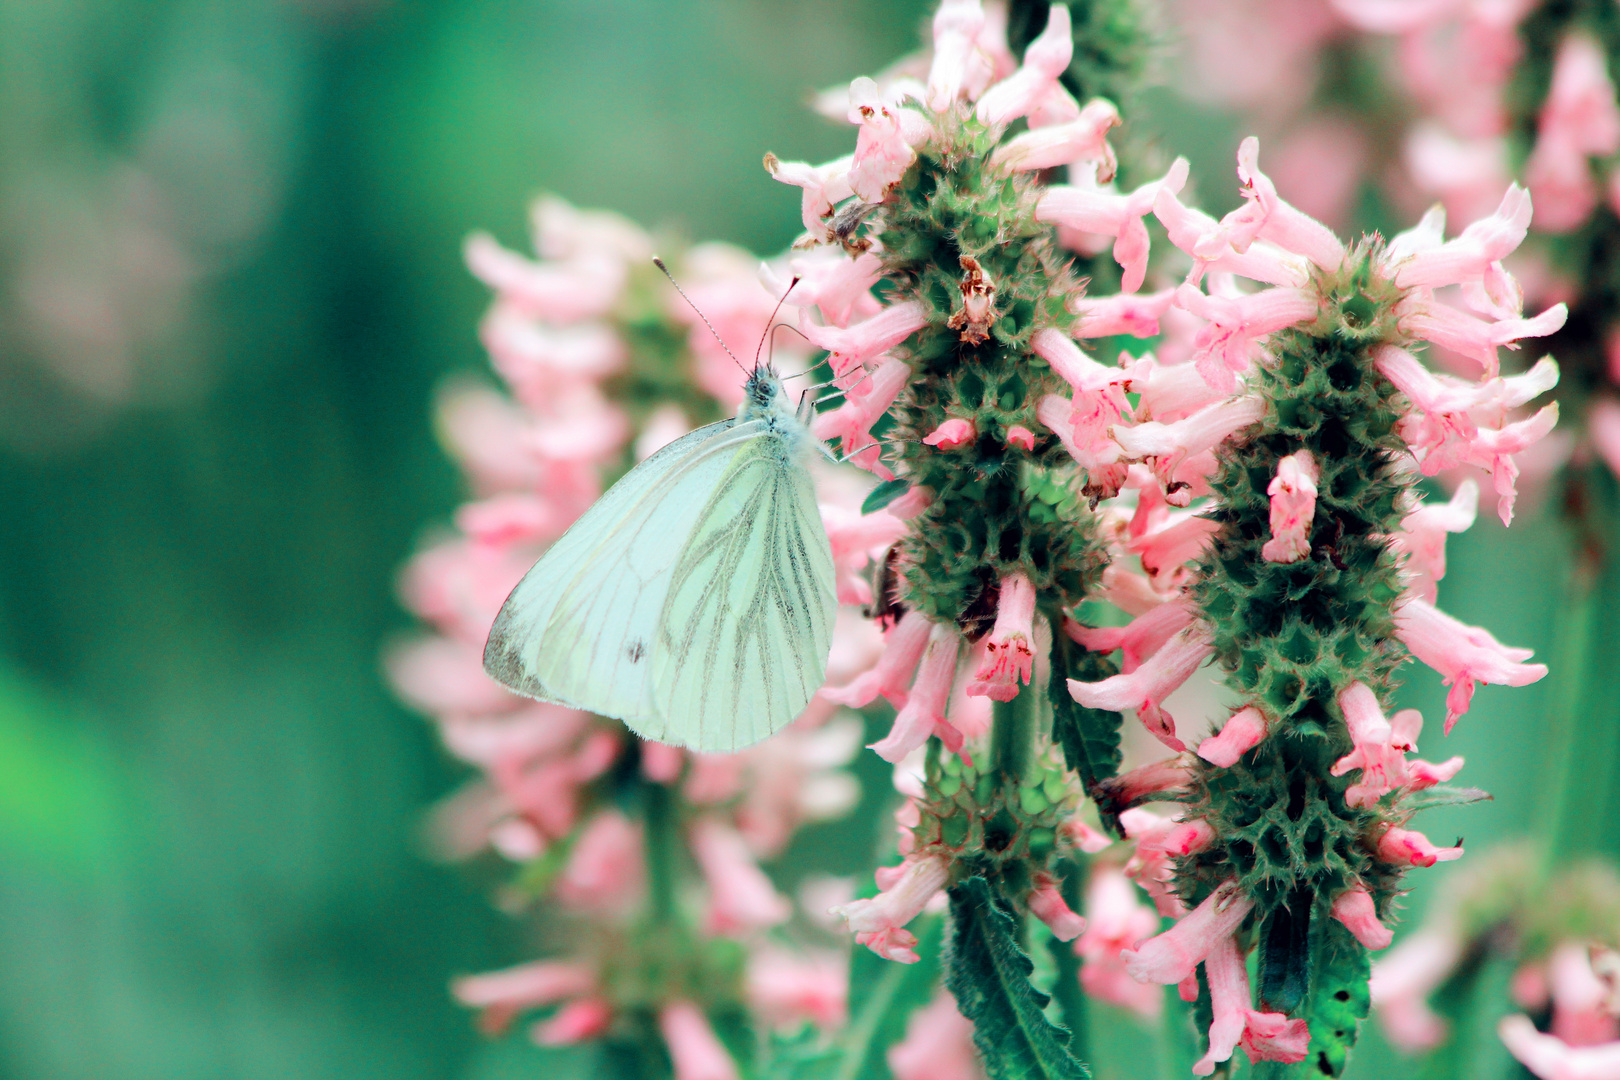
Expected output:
(230, 280)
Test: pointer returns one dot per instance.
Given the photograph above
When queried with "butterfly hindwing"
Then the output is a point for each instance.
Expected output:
(747, 619)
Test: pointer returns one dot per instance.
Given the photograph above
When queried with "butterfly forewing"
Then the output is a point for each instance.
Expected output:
(747, 620)
(579, 628)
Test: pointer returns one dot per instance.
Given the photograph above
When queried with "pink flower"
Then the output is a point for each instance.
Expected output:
(853, 346)
(882, 154)
(1117, 921)
(1423, 538)
(741, 898)
(832, 280)
(1457, 422)
(923, 714)
(1422, 316)
(1603, 424)
(825, 186)
(903, 647)
(1083, 139)
(1167, 392)
(1418, 258)
(1168, 446)
(1173, 955)
(1293, 506)
(1463, 655)
(957, 25)
(1166, 774)
(1147, 686)
(1020, 436)
(504, 994)
(605, 868)
(1407, 847)
(581, 288)
(938, 1044)
(1380, 752)
(1464, 173)
(1151, 865)
(1034, 87)
(1579, 120)
(1189, 228)
(1402, 982)
(1010, 651)
(1241, 733)
(1583, 1013)
(1143, 637)
(856, 539)
(1265, 216)
(694, 1048)
(787, 988)
(1136, 314)
(1120, 216)
(575, 1022)
(951, 434)
(1046, 903)
(1264, 1036)
(879, 923)
(864, 405)
(1355, 909)
(1226, 346)
(1550, 1058)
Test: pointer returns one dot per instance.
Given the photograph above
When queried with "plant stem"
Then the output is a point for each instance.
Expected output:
(1012, 736)
(1559, 823)
(662, 845)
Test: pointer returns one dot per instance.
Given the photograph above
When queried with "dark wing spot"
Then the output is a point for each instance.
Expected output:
(636, 650)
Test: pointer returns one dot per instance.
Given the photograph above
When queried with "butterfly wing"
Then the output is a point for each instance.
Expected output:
(579, 628)
(746, 624)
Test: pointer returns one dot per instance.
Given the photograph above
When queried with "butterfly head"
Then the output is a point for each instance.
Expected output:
(762, 393)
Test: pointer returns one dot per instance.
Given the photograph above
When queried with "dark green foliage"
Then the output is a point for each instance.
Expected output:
(1337, 1004)
(1089, 737)
(884, 494)
(998, 509)
(989, 974)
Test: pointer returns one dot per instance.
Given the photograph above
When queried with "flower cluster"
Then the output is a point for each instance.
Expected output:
(1557, 935)
(1294, 415)
(603, 363)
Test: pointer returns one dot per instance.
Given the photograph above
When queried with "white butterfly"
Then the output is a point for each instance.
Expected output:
(695, 600)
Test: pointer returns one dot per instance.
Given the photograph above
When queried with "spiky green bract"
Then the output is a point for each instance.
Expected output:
(1294, 636)
(998, 508)
(989, 976)
(1004, 832)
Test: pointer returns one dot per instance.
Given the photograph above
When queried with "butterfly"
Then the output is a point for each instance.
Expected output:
(695, 599)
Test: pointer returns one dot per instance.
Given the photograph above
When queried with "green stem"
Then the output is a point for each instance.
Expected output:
(1012, 736)
(1560, 824)
(662, 845)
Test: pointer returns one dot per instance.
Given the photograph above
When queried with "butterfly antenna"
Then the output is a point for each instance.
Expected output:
(771, 324)
(660, 264)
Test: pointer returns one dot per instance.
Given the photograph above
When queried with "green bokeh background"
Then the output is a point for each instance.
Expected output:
(209, 802)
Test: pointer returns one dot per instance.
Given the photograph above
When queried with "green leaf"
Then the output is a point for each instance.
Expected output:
(989, 974)
(1444, 796)
(1335, 1007)
(1089, 737)
(884, 494)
